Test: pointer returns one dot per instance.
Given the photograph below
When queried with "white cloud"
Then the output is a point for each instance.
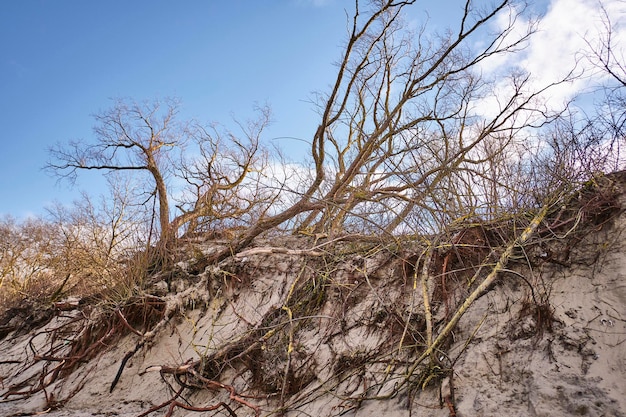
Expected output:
(315, 3)
(566, 33)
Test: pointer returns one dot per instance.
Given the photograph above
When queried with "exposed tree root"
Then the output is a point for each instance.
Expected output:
(74, 341)
(188, 376)
(405, 300)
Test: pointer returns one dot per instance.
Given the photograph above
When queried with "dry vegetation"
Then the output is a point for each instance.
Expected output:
(405, 176)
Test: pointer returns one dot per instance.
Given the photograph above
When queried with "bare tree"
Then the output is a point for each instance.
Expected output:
(412, 137)
(132, 138)
(607, 55)
(224, 177)
(26, 250)
(221, 179)
(402, 134)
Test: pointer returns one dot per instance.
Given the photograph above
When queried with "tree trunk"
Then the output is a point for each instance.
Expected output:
(166, 236)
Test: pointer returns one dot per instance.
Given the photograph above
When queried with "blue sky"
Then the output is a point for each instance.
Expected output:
(61, 61)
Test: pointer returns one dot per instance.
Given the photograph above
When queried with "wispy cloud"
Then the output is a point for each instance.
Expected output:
(562, 45)
(315, 3)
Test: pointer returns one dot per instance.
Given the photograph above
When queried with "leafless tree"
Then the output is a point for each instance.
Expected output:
(402, 135)
(129, 137)
(224, 177)
(412, 137)
(221, 175)
(607, 55)
(26, 249)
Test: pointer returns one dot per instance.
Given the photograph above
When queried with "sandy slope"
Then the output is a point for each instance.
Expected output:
(504, 362)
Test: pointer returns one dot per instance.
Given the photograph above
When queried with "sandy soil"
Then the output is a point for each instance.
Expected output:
(508, 357)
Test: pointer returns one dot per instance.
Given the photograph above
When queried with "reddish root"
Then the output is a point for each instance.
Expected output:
(187, 372)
